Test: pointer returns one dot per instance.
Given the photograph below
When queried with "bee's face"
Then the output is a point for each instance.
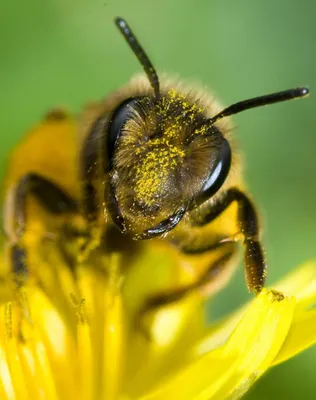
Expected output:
(163, 156)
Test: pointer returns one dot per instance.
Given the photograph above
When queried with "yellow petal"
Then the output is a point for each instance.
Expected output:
(58, 343)
(302, 333)
(231, 369)
(113, 337)
(301, 283)
(257, 340)
(301, 336)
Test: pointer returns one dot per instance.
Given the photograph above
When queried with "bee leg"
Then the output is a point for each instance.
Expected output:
(254, 258)
(90, 169)
(172, 296)
(17, 256)
(52, 197)
(92, 240)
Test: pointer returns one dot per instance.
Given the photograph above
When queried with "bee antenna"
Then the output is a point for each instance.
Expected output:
(140, 54)
(260, 101)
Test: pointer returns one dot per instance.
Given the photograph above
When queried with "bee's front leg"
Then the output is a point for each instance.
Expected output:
(254, 258)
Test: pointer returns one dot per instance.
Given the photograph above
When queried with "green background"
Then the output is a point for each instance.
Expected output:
(67, 52)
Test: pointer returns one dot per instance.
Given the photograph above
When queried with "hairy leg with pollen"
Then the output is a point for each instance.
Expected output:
(92, 168)
(254, 258)
(51, 197)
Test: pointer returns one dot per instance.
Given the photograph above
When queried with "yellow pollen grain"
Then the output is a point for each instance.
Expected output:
(201, 130)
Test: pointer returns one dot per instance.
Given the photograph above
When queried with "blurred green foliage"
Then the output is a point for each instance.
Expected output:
(67, 52)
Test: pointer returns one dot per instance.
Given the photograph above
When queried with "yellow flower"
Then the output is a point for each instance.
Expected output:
(71, 334)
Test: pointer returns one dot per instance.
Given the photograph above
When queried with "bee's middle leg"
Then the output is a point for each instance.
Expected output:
(212, 273)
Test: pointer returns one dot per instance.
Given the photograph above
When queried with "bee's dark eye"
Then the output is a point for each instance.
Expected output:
(119, 118)
(218, 175)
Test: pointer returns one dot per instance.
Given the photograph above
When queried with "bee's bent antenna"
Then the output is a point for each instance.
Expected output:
(140, 54)
(260, 101)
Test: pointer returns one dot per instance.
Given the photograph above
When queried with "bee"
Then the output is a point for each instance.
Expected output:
(156, 161)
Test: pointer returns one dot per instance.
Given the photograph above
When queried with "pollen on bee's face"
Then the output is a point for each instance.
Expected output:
(153, 174)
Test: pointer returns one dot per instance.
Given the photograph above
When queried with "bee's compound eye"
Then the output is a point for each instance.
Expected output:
(119, 118)
(218, 174)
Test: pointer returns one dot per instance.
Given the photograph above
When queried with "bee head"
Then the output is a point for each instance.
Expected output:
(164, 158)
